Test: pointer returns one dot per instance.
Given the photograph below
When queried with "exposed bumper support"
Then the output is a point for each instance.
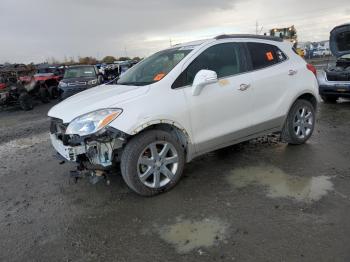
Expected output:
(96, 152)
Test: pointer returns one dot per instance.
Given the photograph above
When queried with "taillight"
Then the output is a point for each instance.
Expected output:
(312, 69)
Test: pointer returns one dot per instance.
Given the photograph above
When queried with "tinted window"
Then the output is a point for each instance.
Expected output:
(224, 59)
(264, 55)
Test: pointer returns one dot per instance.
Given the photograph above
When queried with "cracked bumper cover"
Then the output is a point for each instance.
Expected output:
(97, 151)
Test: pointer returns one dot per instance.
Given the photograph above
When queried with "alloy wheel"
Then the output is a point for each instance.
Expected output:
(303, 122)
(157, 164)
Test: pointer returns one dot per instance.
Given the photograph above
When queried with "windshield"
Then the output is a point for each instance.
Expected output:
(155, 67)
(75, 72)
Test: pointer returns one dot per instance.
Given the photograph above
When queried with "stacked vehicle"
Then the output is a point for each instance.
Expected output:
(12, 92)
(21, 84)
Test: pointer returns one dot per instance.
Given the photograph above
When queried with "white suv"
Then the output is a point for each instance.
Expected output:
(186, 101)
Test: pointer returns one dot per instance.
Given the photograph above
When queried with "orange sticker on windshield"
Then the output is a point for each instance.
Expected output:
(159, 77)
(269, 56)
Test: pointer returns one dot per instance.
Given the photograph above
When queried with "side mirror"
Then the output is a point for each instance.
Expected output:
(202, 79)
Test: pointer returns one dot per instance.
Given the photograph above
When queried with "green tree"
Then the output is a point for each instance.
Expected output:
(136, 58)
(124, 58)
(88, 60)
(109, 59)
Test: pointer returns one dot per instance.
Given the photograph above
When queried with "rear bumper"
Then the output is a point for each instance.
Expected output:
(341, 90)
(332, 88)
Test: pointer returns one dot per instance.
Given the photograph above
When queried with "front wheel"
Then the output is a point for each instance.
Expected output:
(44, 95)
(53, 91)
(152, 162)
(300, 123)
(25, 101)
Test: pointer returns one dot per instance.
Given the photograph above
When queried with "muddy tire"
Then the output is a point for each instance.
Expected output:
(300, 123)
(25, 102)
(44, 95)
(53, 92)
(329, 99)
(152, 162)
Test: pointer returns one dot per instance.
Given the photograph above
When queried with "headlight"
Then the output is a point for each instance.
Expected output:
(62, 84)
(92, 82)
(92, 122)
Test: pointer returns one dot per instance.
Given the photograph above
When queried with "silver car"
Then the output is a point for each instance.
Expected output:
(334, 82)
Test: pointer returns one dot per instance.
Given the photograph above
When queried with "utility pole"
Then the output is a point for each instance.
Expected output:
(257, 30)
(126, 53)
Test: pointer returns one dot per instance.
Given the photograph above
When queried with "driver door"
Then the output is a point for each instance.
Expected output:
(221, 113)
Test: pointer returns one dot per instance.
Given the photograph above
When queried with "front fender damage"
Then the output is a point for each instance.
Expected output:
(95, 154)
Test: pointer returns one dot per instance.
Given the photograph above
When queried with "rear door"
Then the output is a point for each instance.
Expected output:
(271, 80)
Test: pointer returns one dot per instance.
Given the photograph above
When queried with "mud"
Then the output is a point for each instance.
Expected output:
(257, 201)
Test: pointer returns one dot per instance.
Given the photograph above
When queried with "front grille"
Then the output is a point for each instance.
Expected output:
(77, 84)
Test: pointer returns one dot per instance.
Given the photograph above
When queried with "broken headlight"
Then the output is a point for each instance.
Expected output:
(92, 122)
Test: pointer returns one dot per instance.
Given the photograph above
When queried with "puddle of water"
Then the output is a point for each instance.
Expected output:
(279, 184)
(187, 235)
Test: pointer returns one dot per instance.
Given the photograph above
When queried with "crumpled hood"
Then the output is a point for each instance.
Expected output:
(339, 41)
(104, 96)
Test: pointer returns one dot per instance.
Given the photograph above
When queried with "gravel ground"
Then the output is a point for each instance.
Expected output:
(257, 201)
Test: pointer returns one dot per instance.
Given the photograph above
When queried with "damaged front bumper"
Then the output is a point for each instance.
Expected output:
(94, 152)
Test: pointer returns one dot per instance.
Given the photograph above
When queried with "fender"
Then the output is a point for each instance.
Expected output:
(190, 149)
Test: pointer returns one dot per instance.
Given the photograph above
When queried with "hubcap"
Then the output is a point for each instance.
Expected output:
(303, 122)
(157, 164)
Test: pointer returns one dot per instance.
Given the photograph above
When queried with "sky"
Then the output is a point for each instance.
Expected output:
(38, 30)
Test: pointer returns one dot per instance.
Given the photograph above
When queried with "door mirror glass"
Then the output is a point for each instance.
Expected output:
(202, 79)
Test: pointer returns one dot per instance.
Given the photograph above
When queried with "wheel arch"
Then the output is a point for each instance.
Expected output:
(175, 129)
(306, 96)
(309, 97)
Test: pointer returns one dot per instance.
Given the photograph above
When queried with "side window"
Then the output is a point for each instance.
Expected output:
(224, 59)
(264, 55)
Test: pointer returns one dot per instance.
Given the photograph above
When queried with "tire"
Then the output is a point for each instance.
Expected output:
(44, 95)
(329, 99)
(100, 80)
(141, 148)
(299, 126)
(25, 102)
(53, 91)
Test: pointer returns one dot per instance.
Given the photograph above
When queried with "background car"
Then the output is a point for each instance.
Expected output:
(79, 78)
(335, 80)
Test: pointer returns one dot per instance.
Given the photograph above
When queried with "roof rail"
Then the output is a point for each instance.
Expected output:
(263, 37)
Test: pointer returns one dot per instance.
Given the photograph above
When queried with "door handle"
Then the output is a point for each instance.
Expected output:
(243, 87)
(292, 72)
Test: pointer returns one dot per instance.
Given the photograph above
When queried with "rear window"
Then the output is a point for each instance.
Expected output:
(264, 55)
